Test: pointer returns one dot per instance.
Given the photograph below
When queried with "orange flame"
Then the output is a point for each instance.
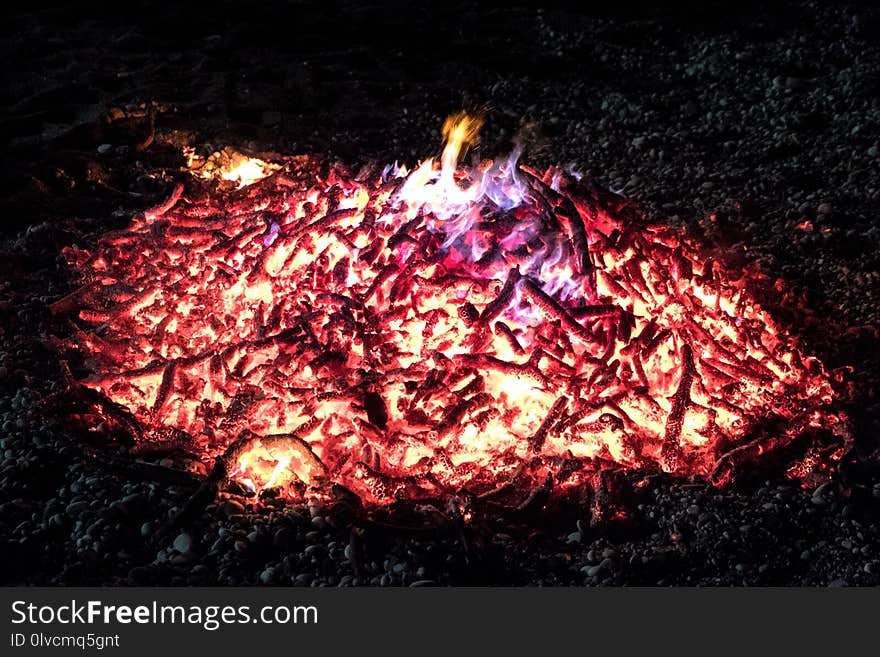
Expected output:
(459, 132)
(230, 165)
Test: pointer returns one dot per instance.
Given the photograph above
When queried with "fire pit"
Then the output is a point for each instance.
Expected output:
(490, 331)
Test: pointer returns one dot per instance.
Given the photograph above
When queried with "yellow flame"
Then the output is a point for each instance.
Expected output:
(427, 185)
(228, 164)
(248, 172)
(459, 131)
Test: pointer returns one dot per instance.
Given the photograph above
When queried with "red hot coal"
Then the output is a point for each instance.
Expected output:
(415, 334)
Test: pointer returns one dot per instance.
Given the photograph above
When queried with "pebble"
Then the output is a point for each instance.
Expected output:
(823, 494)
(139, 576)
(303, 579)
(283, 538)
(183, 543)
(315, 549)
(232, 508)
(601, 567)
(76, 508)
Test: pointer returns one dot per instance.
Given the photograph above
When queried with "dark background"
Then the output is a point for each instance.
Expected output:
(765, 115)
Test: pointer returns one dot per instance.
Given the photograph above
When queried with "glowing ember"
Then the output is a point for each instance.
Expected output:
(230, 165)
(434, 332)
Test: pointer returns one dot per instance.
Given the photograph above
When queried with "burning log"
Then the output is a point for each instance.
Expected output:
(497, 306)
(537, 440)
(671, 450)
(451, 326)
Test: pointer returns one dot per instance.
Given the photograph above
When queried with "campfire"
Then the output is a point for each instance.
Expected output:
(490, 331)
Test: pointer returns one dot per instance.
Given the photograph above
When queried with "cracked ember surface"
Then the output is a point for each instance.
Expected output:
(492, 331)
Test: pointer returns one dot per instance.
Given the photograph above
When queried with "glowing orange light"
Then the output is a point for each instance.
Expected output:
(433, 331)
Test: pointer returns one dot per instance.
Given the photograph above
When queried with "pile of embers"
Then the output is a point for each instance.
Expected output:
(490, 333)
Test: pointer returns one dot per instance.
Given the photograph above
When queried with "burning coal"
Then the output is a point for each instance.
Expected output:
(490, 331)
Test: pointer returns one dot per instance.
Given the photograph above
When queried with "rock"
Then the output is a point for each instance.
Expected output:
(303, 579)
(183, 543)
(117, 510)
(824, 494)
(312, 550)
(76, 508)
(139, 576)
(232, 508)
(602, 567)
(283, 539)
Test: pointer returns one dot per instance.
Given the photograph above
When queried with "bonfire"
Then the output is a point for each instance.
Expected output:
(488, 331)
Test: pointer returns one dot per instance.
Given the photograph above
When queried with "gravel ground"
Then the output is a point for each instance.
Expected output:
(756, 124)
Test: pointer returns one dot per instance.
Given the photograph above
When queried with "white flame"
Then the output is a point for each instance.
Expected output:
(454, 200)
